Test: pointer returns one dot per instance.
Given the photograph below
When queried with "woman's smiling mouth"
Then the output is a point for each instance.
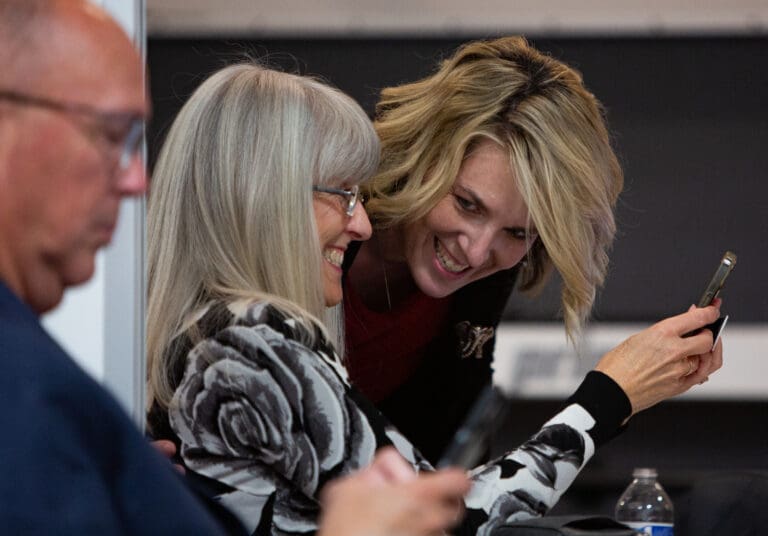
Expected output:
(334, 256)
(447, 262)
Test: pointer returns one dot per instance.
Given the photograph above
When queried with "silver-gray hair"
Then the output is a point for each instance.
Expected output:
(230, 206)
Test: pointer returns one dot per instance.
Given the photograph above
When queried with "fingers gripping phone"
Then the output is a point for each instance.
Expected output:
(713, 291)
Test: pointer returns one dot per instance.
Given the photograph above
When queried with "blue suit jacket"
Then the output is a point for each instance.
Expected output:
(71, 462)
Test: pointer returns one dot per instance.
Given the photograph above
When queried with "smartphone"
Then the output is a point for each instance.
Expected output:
(471, 440)
(718, 280)
(712, 291)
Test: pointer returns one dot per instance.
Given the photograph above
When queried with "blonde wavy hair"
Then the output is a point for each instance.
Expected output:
(537, 109)
(230, 208)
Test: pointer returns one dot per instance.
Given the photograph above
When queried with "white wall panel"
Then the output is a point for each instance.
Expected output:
(454, 17)
(536, 361)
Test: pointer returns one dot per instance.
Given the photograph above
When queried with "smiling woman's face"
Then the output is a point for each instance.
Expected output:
(477, 229)
(335, 231)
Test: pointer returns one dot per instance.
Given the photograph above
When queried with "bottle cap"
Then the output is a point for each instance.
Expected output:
(644, 472)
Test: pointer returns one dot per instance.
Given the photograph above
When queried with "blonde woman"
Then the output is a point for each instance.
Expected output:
(495, 169)
(253, 205)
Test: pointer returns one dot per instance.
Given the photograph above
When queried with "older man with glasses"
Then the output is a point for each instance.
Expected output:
(72, 107)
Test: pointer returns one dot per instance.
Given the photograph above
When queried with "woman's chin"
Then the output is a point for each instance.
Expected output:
(332, 297)
(433, 286)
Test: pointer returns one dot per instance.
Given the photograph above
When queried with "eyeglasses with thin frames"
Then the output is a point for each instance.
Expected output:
(352, 195)
(120, 132)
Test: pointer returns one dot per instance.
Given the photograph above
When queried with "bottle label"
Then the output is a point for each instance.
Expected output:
(657, 529)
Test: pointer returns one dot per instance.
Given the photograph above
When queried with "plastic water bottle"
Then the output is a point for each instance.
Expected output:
(645, 506)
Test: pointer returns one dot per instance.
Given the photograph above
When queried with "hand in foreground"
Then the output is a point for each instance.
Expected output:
(168, 450)
(659, 362)
(389, 499)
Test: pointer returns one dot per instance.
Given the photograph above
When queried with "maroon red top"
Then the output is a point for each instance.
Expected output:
(384, 349)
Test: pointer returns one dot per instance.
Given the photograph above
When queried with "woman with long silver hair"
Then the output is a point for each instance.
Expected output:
(253, 203)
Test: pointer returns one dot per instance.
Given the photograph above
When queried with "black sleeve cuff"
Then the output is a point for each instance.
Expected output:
(606, 402)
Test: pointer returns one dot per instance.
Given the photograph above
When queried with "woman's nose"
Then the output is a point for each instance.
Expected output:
(477, 247)
(359, 226)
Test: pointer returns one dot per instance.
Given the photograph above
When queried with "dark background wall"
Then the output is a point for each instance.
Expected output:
(690, 123)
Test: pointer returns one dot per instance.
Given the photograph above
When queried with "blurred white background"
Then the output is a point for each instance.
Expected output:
(455, 17)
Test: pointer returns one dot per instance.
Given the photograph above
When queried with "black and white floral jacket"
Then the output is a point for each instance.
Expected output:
(271, 420)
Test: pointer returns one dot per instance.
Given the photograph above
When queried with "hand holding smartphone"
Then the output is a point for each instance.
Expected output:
(471, 440)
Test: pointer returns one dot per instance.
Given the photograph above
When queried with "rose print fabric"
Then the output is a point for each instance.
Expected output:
(273, 420)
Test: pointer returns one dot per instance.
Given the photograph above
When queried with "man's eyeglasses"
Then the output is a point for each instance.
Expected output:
(352, 196)
(120, 132)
